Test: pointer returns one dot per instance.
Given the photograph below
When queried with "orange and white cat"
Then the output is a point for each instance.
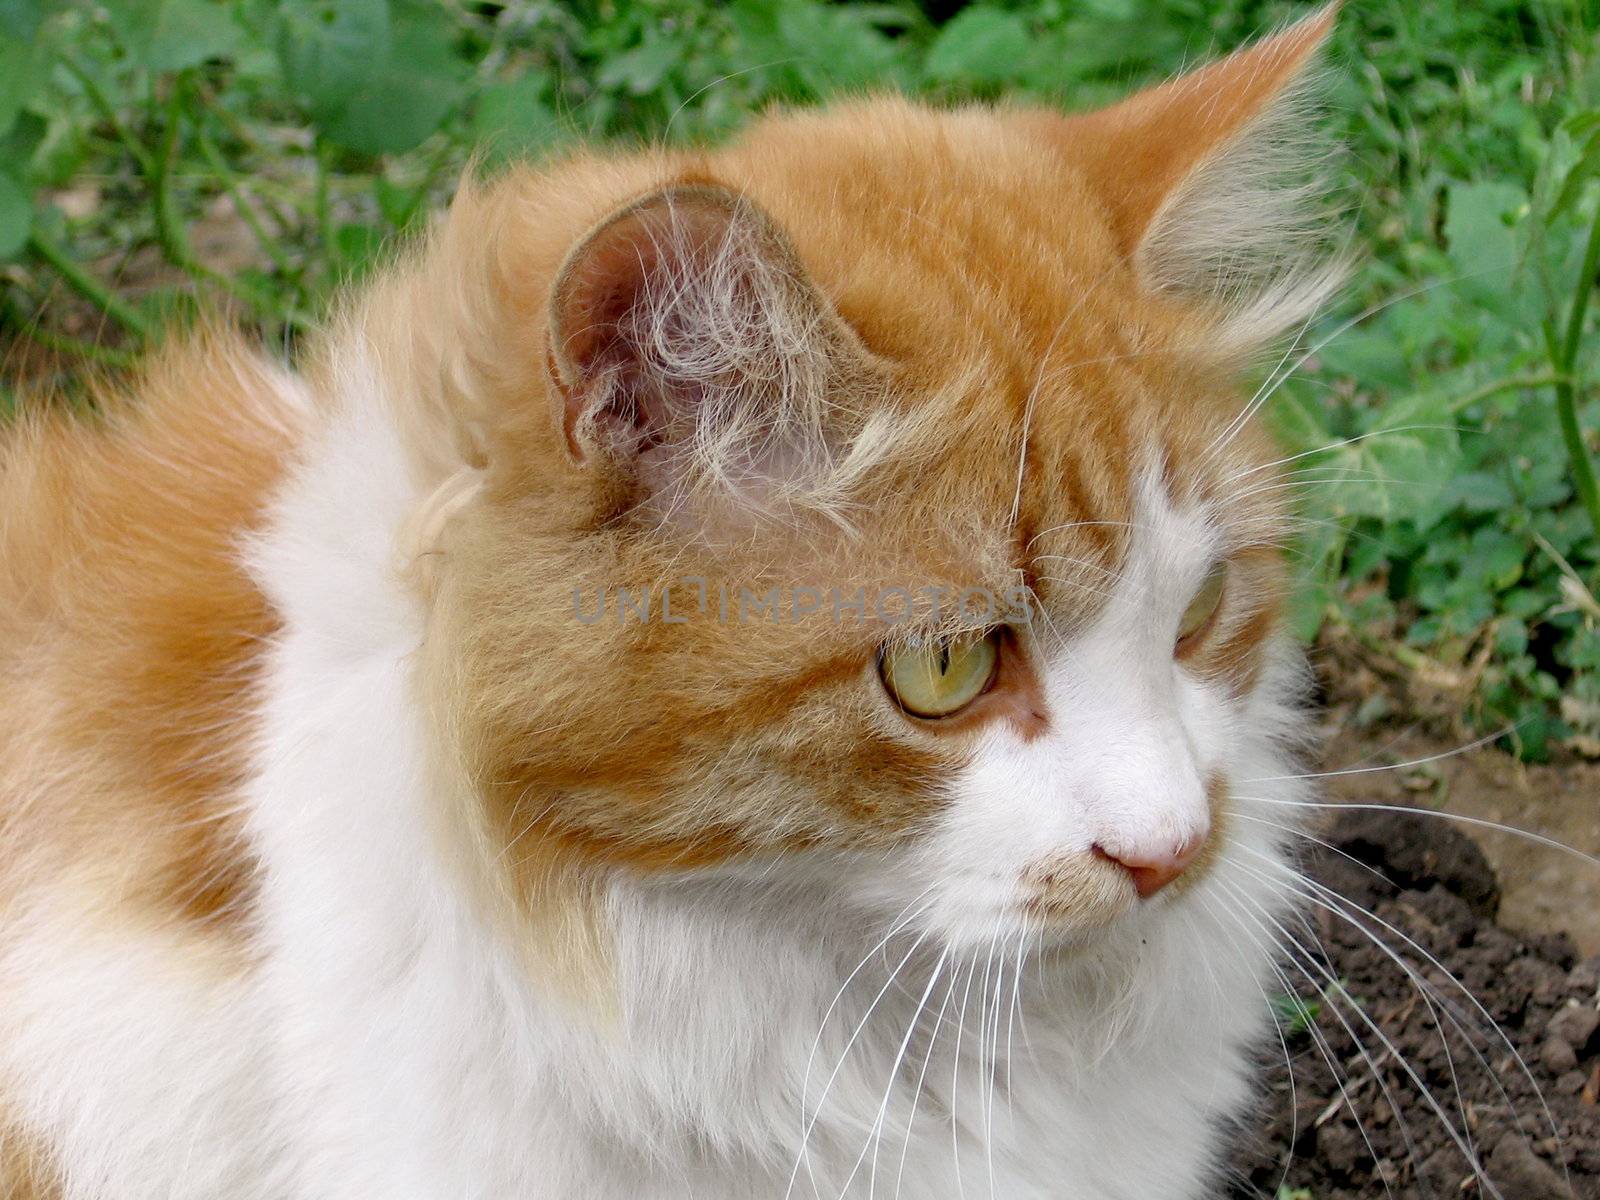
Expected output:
(563, 742)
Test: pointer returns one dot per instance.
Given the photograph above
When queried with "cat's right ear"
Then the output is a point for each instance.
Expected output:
(687, 347)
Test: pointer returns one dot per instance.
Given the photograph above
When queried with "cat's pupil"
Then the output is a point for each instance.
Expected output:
(944, 659)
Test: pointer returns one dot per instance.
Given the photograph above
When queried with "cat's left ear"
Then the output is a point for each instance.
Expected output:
(1210, 184)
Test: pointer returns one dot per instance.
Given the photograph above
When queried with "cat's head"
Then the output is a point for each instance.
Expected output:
(875, 498)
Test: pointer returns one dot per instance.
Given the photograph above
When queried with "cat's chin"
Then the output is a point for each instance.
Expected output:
(1010, 929)
(1075, 903)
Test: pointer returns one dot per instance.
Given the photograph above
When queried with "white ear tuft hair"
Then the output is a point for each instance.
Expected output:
(1249, 229)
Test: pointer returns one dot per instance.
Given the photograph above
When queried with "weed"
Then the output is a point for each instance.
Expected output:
(159, 158)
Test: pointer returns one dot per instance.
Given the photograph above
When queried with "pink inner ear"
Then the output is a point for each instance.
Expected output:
(599, 291)
(611, 395)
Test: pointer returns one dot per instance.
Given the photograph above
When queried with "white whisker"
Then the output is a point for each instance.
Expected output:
(1477, 822)
(1332, 902)
(1287, 945)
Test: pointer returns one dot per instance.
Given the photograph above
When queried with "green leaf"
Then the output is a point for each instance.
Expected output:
(642, 69)
(169, 35)
(1308, 607)
(397, 204)
(1477, 492)
(1112, 10)
(358, 248)
(324, 46)
(18, 144)
(1295, 1015)
(1494, 560)
(1511, 637)
(1586, 168)
(980, 45)
(1371, 354)
(1297, 422)
(20, 19)
(514, 117)
(24, 70)
(16, 217)
(1524, 603)
(1582, 123)
(838, 46)
(1584, 650)
(379, 78)
(1400, 465)
(1478, 228)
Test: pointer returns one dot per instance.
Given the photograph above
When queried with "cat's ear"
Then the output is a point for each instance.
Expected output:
(1210, 180)
(687, 346)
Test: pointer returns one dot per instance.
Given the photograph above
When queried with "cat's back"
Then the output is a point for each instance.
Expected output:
(130, 644)
(129, 631)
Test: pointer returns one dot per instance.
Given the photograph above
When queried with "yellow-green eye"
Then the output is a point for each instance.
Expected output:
(1205, 603)
(942, 677)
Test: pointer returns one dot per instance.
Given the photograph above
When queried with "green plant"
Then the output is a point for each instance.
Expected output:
(1564, 346)
(1295, 1016)
(163, 158)
(1453, 534)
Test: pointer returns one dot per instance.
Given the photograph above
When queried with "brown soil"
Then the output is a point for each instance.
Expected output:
(1547, 889)
(1397, 1080)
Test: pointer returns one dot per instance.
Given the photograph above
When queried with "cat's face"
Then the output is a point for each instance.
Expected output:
(923, 426)
(1095, 772)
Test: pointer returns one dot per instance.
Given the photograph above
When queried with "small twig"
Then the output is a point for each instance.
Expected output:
(324, 207)
(1513, 384)
(1404, 661)
(1346, 1093)
(1577, 591)
(242, 203)
(1564, 357)
(108, 113)
(87, 286)
(170, 234)
(1326, 1114)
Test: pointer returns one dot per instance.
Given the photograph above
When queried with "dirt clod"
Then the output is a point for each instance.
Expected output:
(1576, 1024)
(1518, 1172)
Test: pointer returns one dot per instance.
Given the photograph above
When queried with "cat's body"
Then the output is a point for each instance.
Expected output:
(306, 894)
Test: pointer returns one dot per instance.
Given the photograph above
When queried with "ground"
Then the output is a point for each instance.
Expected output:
(1515, 1074)
(1545, 888)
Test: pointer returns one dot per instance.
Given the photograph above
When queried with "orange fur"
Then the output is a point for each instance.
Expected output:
(978, 272)
(1139, 152)
(27, 1170)
(129, 635)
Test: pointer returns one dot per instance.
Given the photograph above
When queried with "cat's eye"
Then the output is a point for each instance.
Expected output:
(1203, 608)
(943, 676)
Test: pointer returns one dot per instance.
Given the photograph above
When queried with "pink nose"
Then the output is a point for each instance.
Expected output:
(1152, 871)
